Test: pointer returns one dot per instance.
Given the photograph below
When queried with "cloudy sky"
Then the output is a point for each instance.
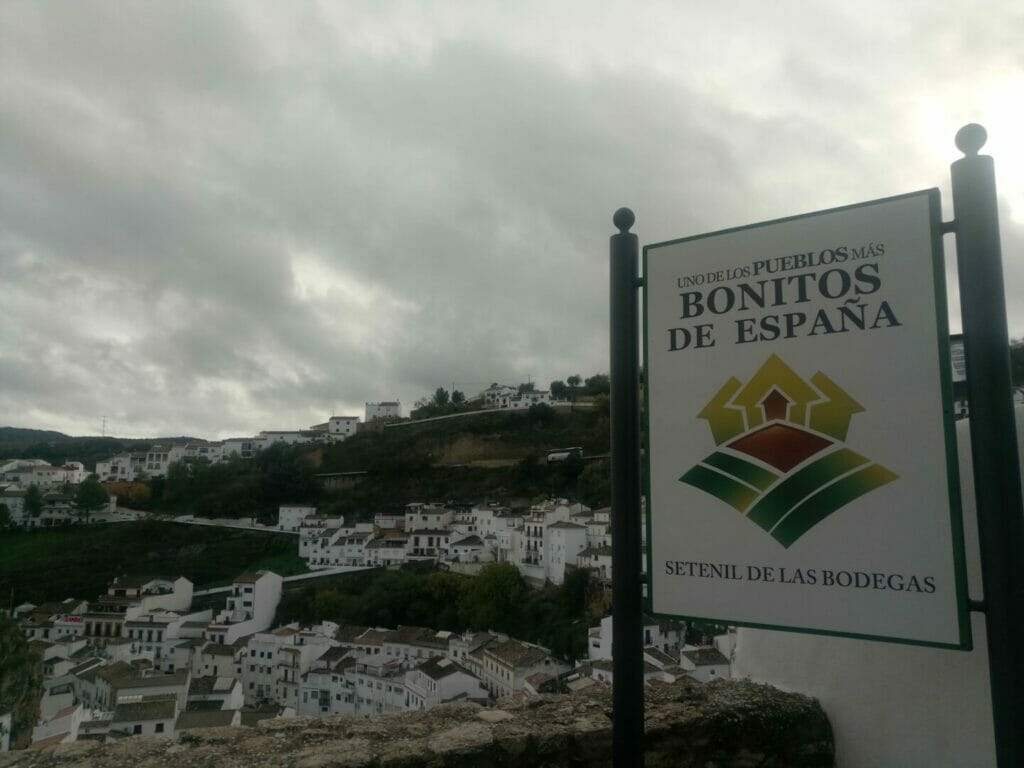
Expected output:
(221, 217)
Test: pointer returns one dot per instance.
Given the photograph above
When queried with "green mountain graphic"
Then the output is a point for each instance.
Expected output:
(812, 474)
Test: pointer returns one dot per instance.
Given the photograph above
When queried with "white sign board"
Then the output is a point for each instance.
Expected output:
(802, 463)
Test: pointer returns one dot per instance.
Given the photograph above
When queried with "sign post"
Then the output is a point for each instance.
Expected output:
(627, 597)
(994, 449)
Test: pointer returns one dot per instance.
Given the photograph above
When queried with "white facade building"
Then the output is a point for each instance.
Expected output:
(503, 664)
(22, 473)
(269, 437)
(212, 452)
(311, 530)
(125, 467)
(419, 516)
(342, 427)
(440, 680)
(250, 608)
(290, 516)
(160, 457)
(494, 394)
(383, 410)
(704, 664)
(241, 447)
(666, 636)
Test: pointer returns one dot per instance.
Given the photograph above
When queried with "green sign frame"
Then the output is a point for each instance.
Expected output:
(951, 469)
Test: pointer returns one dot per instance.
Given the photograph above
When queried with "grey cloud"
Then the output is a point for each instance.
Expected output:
(165, 165)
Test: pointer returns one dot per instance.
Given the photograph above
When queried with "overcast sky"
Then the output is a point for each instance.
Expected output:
(218, 217)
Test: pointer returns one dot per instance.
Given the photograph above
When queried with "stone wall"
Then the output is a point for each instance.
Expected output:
(725, 724)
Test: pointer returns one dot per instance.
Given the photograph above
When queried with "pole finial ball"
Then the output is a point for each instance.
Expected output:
(971, 138)
(623, 219)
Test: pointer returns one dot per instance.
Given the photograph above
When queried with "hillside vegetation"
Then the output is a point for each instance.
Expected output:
(498, 599)
(56, 447)
(493, 455)
(80, 561)
(498, 455)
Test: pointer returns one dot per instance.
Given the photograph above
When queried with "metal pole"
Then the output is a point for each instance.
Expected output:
(627, 598)
(994, 454)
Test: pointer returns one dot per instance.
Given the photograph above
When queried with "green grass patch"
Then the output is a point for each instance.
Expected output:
(81, 561)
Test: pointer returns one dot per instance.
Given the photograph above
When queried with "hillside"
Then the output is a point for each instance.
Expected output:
(488, 438)
(490, 455)
(496, 455)
(80, 561)
(56, 447)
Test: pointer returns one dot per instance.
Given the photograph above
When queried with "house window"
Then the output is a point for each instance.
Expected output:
(159, 728)
(136, 729)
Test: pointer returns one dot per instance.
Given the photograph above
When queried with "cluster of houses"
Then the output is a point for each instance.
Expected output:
(543, 541)
(504, 397)
(142, 660)
(56, 485)
(157, 460)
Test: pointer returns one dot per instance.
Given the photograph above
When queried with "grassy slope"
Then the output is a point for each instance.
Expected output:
(491, 435)
(81, 561)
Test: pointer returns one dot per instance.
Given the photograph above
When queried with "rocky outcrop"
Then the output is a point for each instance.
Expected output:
(735, 724)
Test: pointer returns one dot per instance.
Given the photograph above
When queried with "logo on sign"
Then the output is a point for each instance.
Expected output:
(781, 458)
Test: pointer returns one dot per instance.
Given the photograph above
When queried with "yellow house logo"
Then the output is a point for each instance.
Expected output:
(781, 458)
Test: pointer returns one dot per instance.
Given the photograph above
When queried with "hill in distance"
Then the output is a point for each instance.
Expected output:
(56, 447)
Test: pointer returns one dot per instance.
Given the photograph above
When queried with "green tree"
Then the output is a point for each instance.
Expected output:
(598, 384)
(526, 386)
(91, 496)
(21, 682)
(595, 484)
(33, 501)
(5, 516)
(574, 382)
(494, 598)
(458, 398)
(559, 390)
(541, 413)
(441, 397)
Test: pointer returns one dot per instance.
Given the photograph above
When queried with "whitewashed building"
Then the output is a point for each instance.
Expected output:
(386, 550)
(704, 664)
(327, 688)
(126, 467)
(311, 532)
(391, 409)
(440, 680)
(423, 516)
(269, 437)
(290, 516)
(597, 560)
(504, 664)
(667, 636)
(342, 427)
(145, 717)
(495, 394)
(250, 607)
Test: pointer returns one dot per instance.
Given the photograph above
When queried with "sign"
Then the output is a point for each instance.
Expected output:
(802, 469)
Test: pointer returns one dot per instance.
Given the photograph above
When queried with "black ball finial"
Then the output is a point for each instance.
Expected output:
(623, 219)
(971, 138)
